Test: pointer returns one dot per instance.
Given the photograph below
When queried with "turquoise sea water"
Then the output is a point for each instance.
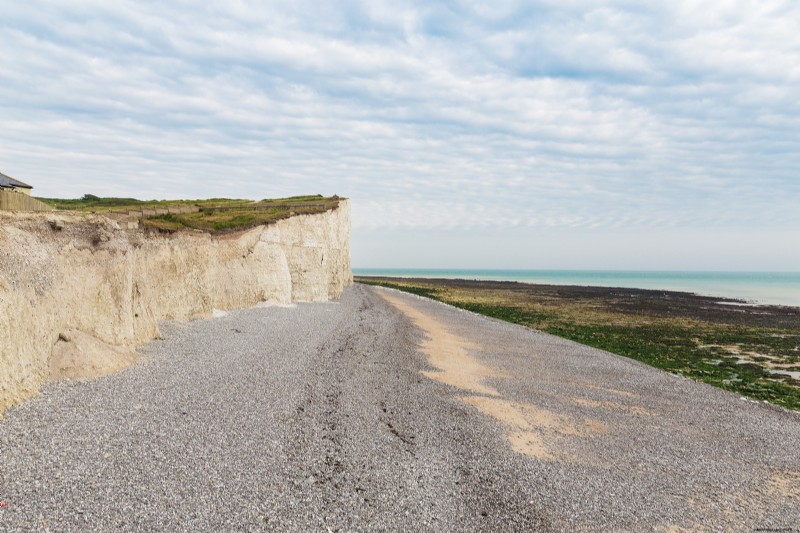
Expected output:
(782, 288)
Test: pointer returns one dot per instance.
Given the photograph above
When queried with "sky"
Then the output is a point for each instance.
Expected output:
(568, 134)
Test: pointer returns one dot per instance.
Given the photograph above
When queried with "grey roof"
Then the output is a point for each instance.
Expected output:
(8, 181)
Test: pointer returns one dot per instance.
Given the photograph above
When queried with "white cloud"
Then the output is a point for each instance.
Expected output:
(454, 115)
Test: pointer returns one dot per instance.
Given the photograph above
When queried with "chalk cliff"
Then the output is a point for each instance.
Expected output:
(75, 278)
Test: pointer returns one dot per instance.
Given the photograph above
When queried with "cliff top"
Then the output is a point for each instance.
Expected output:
(215, 215)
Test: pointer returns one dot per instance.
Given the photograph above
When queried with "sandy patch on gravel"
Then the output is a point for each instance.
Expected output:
(537, 432)
(523, 438)
(448, 353)
(77, 355)
(785, 484)
(533, 432)
(696, 528)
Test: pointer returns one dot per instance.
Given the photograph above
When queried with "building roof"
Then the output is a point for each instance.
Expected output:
(8, 182)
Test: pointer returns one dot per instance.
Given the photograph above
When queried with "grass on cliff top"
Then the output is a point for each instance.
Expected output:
(726, 349)
(215, 215)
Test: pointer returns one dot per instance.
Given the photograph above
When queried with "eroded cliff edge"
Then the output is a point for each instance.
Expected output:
(64, 276)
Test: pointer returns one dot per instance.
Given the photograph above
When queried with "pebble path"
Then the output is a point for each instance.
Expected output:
(319, 417)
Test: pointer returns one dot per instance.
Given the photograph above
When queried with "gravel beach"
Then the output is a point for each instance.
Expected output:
(336, 417)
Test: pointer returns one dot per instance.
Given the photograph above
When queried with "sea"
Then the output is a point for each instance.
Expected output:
(774, 288)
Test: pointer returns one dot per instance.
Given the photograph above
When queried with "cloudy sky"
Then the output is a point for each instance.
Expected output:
(504, 134)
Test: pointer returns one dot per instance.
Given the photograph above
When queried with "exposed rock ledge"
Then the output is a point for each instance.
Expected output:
(70, 284)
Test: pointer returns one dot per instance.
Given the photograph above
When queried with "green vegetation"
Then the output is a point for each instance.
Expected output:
(94, 204)
(215, 215)
(722, 349)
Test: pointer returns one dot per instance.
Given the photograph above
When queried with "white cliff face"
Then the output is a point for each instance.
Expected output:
(62, 273)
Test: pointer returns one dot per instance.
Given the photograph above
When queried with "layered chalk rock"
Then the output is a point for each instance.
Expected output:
(69, 276)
